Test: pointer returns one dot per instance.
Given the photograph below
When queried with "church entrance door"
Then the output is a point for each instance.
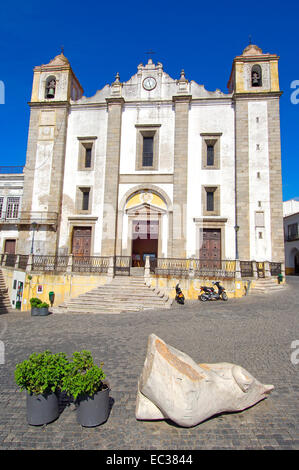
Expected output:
(81, 241)
(210, 250)
(144, 241)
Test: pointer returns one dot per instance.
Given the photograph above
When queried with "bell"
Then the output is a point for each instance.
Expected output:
(51, 92)
(255, 78)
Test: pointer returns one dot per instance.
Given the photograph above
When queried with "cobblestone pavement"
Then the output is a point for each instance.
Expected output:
(256, 332)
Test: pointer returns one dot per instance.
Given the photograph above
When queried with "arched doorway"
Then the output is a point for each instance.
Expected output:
(292, 260)
(146, 225)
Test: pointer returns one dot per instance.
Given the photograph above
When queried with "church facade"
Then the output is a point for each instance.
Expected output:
(155, 166)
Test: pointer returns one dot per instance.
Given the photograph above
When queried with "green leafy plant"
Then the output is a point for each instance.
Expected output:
(35, 302)
(84, 377)
(43, 305)
(42, 373)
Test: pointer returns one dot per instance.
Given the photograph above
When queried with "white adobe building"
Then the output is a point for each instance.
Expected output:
(155, 165)
(291, 235)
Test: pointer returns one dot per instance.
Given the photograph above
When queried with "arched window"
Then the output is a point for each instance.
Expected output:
(50, 87)
(256, 75)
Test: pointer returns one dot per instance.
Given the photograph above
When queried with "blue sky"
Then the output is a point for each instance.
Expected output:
(101, 39)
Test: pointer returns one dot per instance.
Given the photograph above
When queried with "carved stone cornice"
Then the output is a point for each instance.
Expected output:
(115, 100)
(182, 98)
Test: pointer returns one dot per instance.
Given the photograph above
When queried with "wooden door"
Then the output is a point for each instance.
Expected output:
(10, 247)
(145, 241)
(81, 241)
(210, 251)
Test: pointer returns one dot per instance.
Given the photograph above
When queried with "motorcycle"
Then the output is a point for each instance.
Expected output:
(180, 298)
(209, 293)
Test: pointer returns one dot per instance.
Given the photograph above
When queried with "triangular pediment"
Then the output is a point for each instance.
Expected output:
(145, 209)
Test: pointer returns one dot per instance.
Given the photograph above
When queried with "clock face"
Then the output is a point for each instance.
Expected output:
(149, 83)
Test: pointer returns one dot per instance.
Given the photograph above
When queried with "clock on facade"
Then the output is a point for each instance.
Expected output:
(149, 83)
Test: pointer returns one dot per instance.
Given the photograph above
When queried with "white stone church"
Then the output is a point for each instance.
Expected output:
(155, 166)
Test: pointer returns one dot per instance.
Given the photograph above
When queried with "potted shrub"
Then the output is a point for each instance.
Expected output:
(35, 302)
(41, 376)
(39, 308)
(43, 308)
(84, 382)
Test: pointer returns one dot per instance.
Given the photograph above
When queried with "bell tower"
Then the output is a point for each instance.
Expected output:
(54, 86)
(254, 84)
(254, 72)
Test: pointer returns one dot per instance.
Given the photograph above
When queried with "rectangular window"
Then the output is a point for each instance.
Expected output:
(85, 199)
(88, 157)
(1, 206)
(12, 210)
(210, 150)
(293, 231)
(210, 201)
(148, 151)
(210, 155)
(147, 146)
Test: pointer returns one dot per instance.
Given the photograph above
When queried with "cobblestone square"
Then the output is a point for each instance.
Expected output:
(256, 332)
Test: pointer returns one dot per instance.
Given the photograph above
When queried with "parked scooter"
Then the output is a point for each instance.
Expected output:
(209, 293)
(180, 298)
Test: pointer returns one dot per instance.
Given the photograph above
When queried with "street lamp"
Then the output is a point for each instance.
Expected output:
(34, 225)
(237, 250)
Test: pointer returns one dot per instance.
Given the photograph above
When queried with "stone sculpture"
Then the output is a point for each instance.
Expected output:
(172, 386)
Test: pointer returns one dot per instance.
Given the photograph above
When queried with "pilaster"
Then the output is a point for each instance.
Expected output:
(276, 211)
(242, 178)
(110, 216)
(180, 177)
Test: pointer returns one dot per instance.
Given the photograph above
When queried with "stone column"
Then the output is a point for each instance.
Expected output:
(254, 269)
(242, 178)
(147, 270)
(238, 270)
(277, 236)
(111, 267)
(267, 269)
(17, 260)
(29, 263)
(180, 175)
(110, 216)
(69, 268)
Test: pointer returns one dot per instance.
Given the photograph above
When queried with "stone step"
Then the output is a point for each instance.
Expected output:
(120, 295)
(266, 285)
(5, 303)
(118, 303)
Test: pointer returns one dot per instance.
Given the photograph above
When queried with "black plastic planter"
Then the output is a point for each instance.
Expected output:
(39, 311)
(34, 311)
(93, 411)
(43, 311)
(42, 409)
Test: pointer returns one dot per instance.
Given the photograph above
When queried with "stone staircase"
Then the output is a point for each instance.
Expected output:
(5, 305)
(265, 286)
(122, 294)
